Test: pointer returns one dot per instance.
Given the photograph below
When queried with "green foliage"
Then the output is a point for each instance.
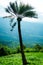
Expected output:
(18, 48)
(13, 6)
(5, 50)
(41, 50)
(15, 59)
(26, 50)
(23, 8)
(37, 47)
(30, 14)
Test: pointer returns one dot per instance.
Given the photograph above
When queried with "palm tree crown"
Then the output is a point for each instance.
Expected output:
(19, 11)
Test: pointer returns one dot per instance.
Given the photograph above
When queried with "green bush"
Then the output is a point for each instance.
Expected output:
(18, 48)
(37, 47)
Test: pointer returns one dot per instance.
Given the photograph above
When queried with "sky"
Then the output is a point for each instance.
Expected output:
(37, 4)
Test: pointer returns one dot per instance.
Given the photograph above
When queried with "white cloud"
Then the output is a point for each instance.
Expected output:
(30, 19)
(2, 12)
(38, 4)
(4, 3)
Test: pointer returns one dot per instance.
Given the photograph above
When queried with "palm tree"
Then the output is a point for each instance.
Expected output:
(19, 11)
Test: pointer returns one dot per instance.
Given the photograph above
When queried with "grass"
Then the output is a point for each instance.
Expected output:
(35, 58)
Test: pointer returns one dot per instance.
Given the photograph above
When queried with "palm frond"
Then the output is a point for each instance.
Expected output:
(13, 6)
(7, 16)
(9, 8)
(16, 4)
(13, 26)
(23, 8)
(11, 21)
(30, 14)
(6, 9)
(10, 16)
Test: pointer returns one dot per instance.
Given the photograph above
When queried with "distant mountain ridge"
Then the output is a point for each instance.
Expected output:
(31, 32)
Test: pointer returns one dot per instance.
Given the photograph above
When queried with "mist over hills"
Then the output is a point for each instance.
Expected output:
(31, 33)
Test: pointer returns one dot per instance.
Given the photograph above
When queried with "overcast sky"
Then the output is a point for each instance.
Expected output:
(37, 4)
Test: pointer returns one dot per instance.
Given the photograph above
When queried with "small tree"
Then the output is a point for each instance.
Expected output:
(19, 50)
(3, 52)
(37, 47)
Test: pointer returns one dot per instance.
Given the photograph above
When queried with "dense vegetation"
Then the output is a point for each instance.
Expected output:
(34, 58)
(12, 56)
(5, 50)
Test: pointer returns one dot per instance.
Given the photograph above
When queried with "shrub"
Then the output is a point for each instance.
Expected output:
(19, 50)
(37, 47)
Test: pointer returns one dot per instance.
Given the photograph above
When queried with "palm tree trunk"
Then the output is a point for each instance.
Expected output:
(21, 45)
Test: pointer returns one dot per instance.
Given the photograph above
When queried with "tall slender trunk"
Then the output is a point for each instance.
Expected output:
(21, 45)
